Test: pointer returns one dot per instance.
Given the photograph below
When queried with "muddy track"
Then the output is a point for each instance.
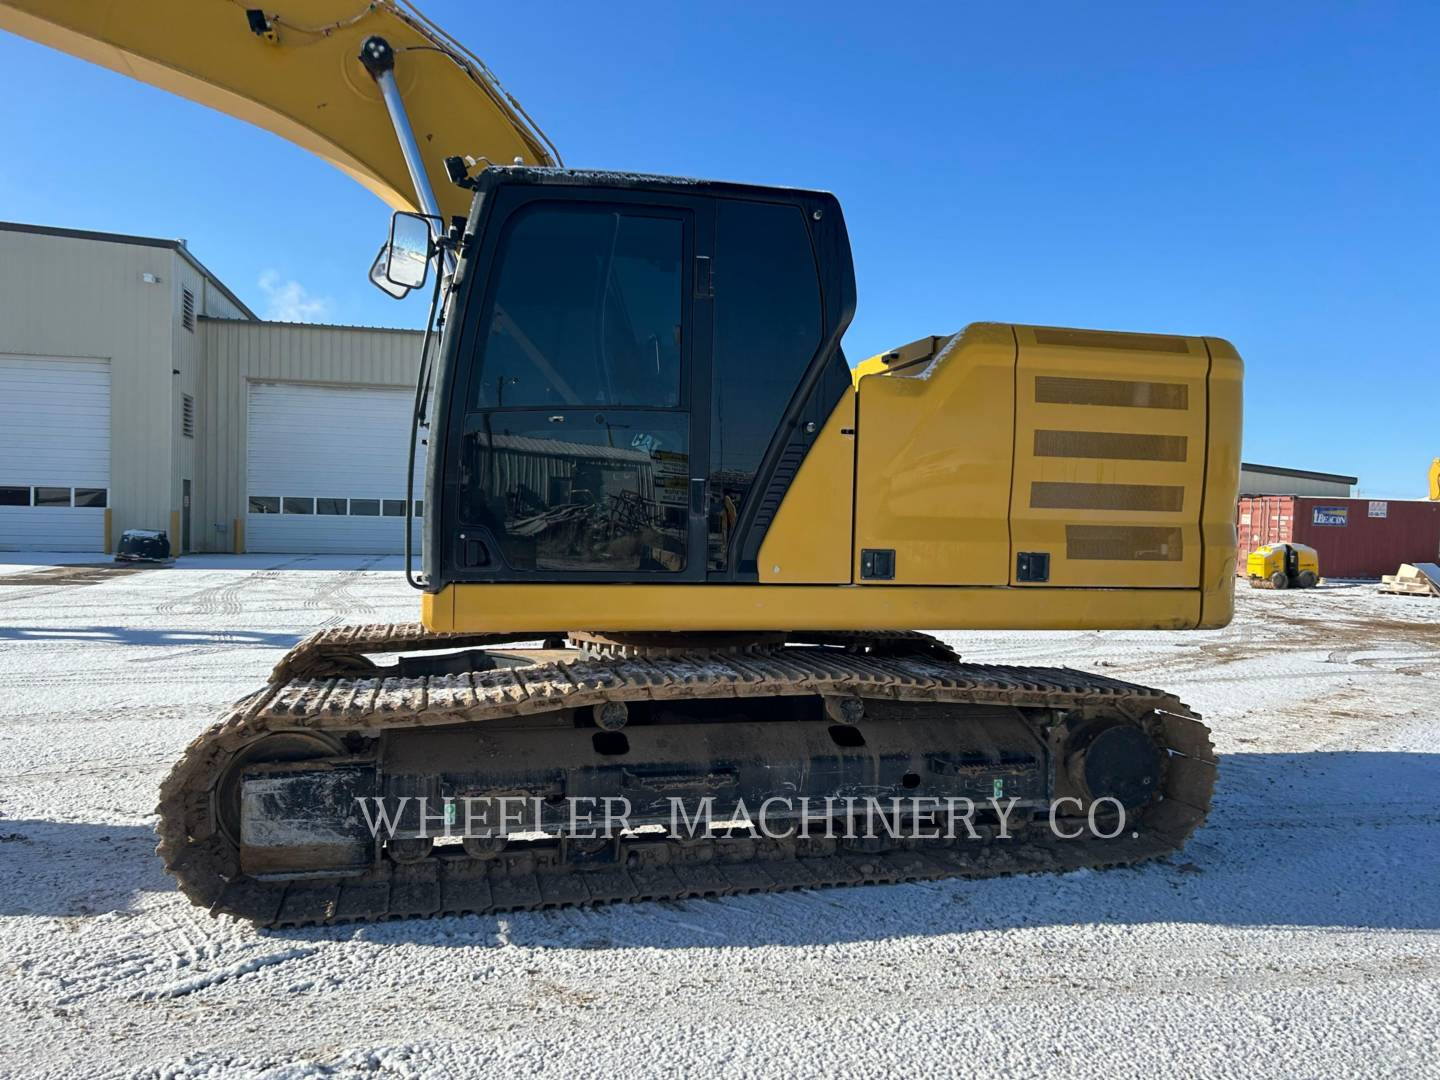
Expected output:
(534, 875)
(52, 579)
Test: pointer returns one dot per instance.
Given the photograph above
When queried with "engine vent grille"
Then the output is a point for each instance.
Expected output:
(1109, 444)
(1045, 495)
(1104, 339)
(1063, 390)
(1124, 543)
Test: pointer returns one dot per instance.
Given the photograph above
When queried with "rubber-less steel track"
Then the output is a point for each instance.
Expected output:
(321, 687)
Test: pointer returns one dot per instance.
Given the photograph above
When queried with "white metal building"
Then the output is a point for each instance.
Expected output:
(1274, 480)
(137, 391)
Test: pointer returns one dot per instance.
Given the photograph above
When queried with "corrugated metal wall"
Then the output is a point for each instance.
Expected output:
(1359, 538)
(237, 353)
(70, 297)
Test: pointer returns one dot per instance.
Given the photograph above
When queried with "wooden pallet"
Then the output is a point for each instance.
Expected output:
(1413, 579)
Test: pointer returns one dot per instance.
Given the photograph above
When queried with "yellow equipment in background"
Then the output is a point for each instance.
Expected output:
(1283, 566)
(1435, 480)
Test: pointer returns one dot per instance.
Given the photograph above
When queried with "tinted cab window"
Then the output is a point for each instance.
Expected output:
(576, 448)
(586, 311)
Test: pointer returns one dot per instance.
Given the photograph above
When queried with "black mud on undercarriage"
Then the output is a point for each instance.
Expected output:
(702, 723)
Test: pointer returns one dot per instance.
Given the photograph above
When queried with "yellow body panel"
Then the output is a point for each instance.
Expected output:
(307, 85)
(809, 540)
(1435, 480)
(1110, 491)
(933, 462)
(951, 438)
(506, 607)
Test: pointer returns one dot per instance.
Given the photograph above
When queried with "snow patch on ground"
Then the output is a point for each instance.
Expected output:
(1295, 935)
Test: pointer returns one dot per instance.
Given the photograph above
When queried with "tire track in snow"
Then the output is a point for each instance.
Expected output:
(234, 971)
(224, 598)
(336, 597)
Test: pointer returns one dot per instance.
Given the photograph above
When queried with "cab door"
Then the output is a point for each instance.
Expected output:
(584, 444)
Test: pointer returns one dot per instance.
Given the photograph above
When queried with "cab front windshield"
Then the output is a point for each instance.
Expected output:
(576, 442)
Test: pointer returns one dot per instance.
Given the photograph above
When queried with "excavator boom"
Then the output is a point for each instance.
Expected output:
(293, 69)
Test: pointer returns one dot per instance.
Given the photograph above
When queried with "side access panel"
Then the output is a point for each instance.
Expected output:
(1110, 449)
(933, 452)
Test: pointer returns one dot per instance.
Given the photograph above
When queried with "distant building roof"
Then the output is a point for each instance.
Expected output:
(1300, 474)
(292, 325)
(177, 246)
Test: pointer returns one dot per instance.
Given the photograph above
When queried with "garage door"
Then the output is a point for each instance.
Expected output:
(54, 453)
(326, 469)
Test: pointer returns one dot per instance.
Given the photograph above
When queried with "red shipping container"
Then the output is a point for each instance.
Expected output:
(1356, 538)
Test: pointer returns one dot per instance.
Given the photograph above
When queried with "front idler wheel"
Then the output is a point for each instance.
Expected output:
(277, 747)
(1120, 762)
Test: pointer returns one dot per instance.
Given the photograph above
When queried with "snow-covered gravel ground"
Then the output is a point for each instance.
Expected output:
(1296, 935)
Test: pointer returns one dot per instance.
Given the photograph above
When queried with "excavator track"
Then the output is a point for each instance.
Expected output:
(327, 697)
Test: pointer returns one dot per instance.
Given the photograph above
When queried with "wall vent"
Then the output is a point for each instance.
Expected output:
(187, 309)
(187, 416)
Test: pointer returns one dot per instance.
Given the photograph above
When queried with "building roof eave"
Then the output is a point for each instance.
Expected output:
(1299, 474)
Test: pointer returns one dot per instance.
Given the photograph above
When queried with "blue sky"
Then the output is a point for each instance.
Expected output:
(1266, 173)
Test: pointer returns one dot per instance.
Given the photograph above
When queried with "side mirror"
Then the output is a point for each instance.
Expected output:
(408, 264)
(378, 278)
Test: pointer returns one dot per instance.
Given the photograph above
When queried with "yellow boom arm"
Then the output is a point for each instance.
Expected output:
(293, 68)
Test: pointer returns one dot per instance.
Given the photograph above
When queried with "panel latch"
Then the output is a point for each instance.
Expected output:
(877, 564)
(1032, 566)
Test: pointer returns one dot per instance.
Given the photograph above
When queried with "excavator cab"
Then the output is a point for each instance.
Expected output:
(631, 369)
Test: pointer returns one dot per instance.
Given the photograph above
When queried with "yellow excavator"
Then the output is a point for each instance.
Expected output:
(676, 551)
